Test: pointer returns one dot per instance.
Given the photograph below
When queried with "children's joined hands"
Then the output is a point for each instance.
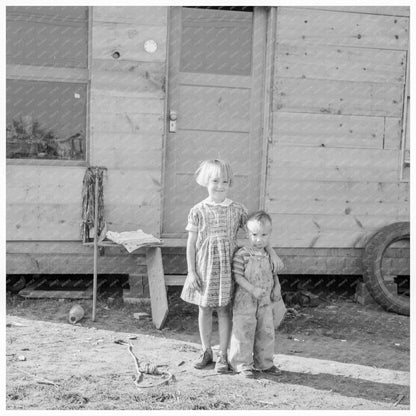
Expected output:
(278, 264)
(276, 261)
(258, 293)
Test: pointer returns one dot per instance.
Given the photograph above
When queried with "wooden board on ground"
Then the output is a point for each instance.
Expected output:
(33, 292)
(157, 288)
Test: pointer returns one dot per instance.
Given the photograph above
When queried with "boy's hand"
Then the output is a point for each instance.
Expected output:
(195, 282)
(258, 292)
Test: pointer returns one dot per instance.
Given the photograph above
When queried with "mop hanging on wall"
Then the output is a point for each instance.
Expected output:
(93, 176)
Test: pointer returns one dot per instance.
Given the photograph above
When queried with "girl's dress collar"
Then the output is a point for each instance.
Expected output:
(224, 203)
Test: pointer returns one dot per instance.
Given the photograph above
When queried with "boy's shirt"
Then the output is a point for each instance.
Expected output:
(256, 269)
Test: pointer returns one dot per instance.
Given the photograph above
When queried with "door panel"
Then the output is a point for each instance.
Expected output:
(216, 65)
(209, 108)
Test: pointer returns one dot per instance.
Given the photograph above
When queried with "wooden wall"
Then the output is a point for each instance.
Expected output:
(338, 92)
(126, 118)
(333, 163)
(127, 112)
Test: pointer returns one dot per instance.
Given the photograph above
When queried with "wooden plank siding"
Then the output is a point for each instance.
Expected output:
(374, 10)
(334, 157)
(333, 152)
(43, 202)
(127, 113)
(50, 257)
(329, 27)
(126, 119)
(338, 97)
(340, 63)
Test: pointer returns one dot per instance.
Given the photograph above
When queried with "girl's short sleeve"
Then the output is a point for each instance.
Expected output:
(193, 220)
(244, 216)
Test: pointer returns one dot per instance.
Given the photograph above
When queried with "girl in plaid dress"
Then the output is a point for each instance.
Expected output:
(212, 225)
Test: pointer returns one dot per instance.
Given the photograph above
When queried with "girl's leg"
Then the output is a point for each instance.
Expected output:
(205, 327)
(224, 328)
(205, 332)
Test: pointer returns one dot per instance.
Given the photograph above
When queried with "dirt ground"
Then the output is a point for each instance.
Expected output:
(337, 355)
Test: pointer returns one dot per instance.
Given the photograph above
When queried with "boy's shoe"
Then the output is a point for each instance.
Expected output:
(273, 371)
(247, 373)
(204, 359)
(221, 366)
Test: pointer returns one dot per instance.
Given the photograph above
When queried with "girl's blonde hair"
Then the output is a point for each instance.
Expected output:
(211, 167)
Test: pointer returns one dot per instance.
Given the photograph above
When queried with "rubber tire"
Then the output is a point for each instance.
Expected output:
(372, 275)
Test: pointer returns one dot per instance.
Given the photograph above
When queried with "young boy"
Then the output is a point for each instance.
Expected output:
(252, 334)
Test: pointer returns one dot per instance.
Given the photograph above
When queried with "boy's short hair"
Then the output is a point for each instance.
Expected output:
(260, 216)
(211, 167)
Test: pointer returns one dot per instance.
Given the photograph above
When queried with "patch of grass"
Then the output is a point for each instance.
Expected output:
(17, 393)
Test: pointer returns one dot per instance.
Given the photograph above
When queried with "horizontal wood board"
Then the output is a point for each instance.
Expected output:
(328, 27)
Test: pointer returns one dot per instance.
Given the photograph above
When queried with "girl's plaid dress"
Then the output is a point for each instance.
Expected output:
(217, 226)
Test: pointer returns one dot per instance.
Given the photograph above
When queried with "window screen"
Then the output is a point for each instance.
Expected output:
(216, 41)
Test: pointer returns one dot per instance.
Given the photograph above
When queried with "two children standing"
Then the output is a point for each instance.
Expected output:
(214, 271)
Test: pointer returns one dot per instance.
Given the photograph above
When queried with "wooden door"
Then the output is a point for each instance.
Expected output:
(216, 82)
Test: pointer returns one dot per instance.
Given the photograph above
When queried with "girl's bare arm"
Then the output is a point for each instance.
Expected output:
(191, 259)
(275, 259)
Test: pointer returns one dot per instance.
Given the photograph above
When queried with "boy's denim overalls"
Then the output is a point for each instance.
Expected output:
(253, 330)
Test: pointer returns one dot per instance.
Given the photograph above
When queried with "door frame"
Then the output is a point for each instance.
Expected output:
(270, 20)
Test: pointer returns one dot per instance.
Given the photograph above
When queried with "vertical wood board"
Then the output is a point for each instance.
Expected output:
(392, 133)
(157, 288)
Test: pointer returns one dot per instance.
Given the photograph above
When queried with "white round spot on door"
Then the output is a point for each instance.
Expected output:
(150, 46)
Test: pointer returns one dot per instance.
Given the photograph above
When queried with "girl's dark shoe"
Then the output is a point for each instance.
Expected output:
(204, 359)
